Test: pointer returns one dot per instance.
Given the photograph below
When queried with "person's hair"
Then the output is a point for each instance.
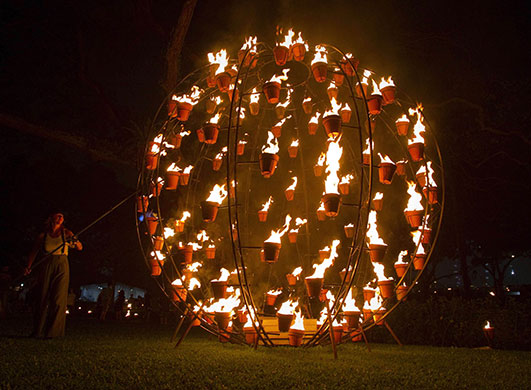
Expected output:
(48, 224)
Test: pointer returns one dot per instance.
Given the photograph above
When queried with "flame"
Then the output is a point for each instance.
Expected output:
(298, 223)
(321, 268)
(298, 323)
(218, 194)
(195, 246)
(202, 236)
(288, 39)
(221, 58)
(293, 185)
(315, 118)
(296, 272)
(295, 143)
(335, 108)
(332, 85)
(216, 99)
(242, 112)
(158, 255)
(379, 271)
(366, 74)
(321, 160)
(288, 307)
(385, 159)
(333, 155)
(192, 98)
(321, 206)
(419, 127)
(275, 292)
(416, 236)
(346, 179)
(224, 275)
(277, 234)
(287, 101)
(375, 303)
(186, 215)
(173, 168)
(346, 107)
(350, 225)
(320, 55)
(155, 147)
(227, 305)
(372, 232)
(403, 118)
(220, 155)
(323, 316)
(215, 118)
(250, 44)
(242, 142)
(375, 90)
(301, 40)
(188, 169)
(255, 96)
(279, 78)
(430, 182)
(194, 267)
(177, 282)
(306, 100)
(487, 325)
(266, 205)
(368, 148)
(386, 83)
(249, 323)
(414, 202)
(193, 284)
(350, 302)
(168, 232)
(271, 144)
(401, 257)
(378, 196)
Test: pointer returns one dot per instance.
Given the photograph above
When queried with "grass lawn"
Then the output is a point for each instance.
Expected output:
(132, 355)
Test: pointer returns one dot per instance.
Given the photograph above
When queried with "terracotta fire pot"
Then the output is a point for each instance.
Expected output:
(284, 322)
(179, 293)
(280, 111)
(347, 67)
(367, 315)
(281, 54)
(366, 159)
(240, 149)
(200, 135)
(209, 210)
(307, 106)
(345, 115)
(250, 335)
(211, 131)
(271, 251)
(388, 94)
(432, 193)
(158, 243)
(183, 180)
(187, 253)
(416, 151)
(321, 215)
(219, 288)
(223, 81)
(292, 151)
(349, 231)
(262, 215)
(377, 204)
(271, 91)
(378, 317)
(368, 294)
(172, 179)
(292, 236)
(290, 194)
(318, 170)
(402, 127)
(332, 92)
(314, 286)
(414, 217)
(312, 128)
(338, 333)
(418, 261)
(175, 140)
(338, 78)
(242, 316)
(421, 178)
(489, 333)
(156, 269)
(216, 164)
(277, 131)
(152, 223)
(344, 188)
(152, 159)
(211, 81)
(332, 125)
(298, 50)
(401, 168)
(360, 89)
(400, 269)
(377, 252)
(156, 189)
(210, 106)
(353, 318)
(142, 203)
(292, 280)
(268, 163)
(401, 293)
(254, 108)
(271, 299)
(386, 288)
(426, 235)
(374, 104)
(319, 70)
(222, 319)
(331, 204)
(386, 171)
(210, 253)
(295, 337)
(172, 108)
(179, 226)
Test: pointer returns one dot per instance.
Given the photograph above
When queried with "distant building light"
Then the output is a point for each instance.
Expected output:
(492, 293)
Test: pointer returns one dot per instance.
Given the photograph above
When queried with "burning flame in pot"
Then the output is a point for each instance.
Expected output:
(419, 127)
(168, 232)
(335, 108)
(287, 101)
(315, 118)
(385, 159)
(173, 168)
(375, 90)
(321, 160)
(379, 271)
(221, 58)
(487, 325)
(186, 215)
(188, 169)
(368, 147)
(275, 292)
(430, 182)
(255, 96)
(414, 202)
(220, 155)
(372, 232)
(288, 38)
(271, 144)
(293, 185)
(386, 83)
(346, 179)
(279, 78)
(301, 40)
(375, 303)
(350, 302)
(321, 268)
(401, 256)
(250, 44)
(267, 204)
(298, 223)
(158, 255)
(295, 143)
(288, 307)
(227, 305)
(193, 284)
(378, 196)
(280, 123)
(333, 155)
(191, 98)
(194, 267)
(218, 194)
(403, 118)
(276, 235)
(320, 55)
(296, 272)
(346, 107)
(298, 323)
(224, 275)
(215, 118)
(202, 236)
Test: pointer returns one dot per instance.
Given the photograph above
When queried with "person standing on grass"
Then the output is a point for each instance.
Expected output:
(53, 278)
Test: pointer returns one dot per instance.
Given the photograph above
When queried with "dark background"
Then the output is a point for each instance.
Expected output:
(80, 82)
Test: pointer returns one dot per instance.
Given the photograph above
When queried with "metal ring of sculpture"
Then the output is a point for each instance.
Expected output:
(274, 95)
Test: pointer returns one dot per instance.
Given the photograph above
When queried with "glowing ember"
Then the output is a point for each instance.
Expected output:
(321, 268)
(276, 235)
(320, 55)
(414, 202)
(271, 144)
(267, 204)
(333, 155)
(218, 194)
(221, 59)
(372, 232)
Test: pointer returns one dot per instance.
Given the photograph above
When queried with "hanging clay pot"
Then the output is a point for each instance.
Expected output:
(152, 159)
(271, 251)
(223, 81)
(401, 292)
(262, 215)
(152, 223)
(172, 179)
(142, 203)
(386, 171)
(419, 260)
(284, 322)
(386, 288)
(240, 149)
(338, 78)
(345, 115)
(332, 125)
(402, 126)
(349, 67)
(331, 204)
(337, 332)
(211, 131)
(388, 94)
(222, 319)
(432, 193)
(292, 151)
(209, 210)
(332, 92)
(298, 50)
(312, 128)
(426, 235)
(368, 294)
(414, 217)
(319, 70)
(401, 168)
(292, 280)
(271, 299)
(416, 151)
(216, 164)
(280, 111)
(219, 288)
(313, 286)
(268, 163)
(292, 237)
(377, 252)
(318, 170)
(295, 337)
(254, 108)
(156, 267)
(400, 269)
(353, 318)
(179, 293)
(210, 253)
(290, 194)
(321, 215)
(349, 231)
(277, 131)
(377, 204)
(250, 335)
(374, 104)
(281, 55)
(158, 243)
(271, 91)
(307, 106)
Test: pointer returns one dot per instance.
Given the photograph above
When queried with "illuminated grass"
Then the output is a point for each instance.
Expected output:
(138, 356)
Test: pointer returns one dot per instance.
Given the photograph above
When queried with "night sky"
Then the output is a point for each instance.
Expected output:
(90, 73)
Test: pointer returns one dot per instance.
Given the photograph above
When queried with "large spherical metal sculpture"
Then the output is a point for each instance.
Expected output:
(312, 178)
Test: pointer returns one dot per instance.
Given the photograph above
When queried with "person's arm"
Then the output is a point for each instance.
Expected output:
(31, 258)
(72, 240)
